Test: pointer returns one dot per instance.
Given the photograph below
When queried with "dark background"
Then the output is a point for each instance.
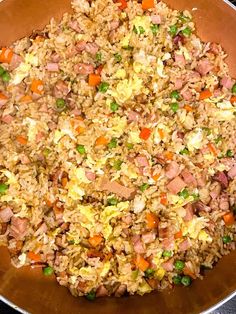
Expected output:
(227, 308)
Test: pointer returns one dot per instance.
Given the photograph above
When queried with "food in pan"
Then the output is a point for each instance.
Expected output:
(117, 141)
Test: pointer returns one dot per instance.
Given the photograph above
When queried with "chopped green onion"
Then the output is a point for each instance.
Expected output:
(71, 241)
(48, 271)
(177, 280)
(60, 103)
(3, 188)
(226, 239)
(229, 153)
(80, 149)
(234, 89)
(140, 30)
(149, 272)
(46, 152)
(117, 164)
(144, 187)
(167, 254)
(98, 56)
(179, 265)
(173, 30)
(134, 274)
(207, 130)
(184, 151)
(184, 193)
(218, 139)
(187, 31)
(91, 295)
(113, 143)
(128, 47)
(184, 18)
(117, 57)
(112, 201)
(2, 70)
(154, 28)
(6, 77)
(174, 107)
(114, 106)
(175, 95)
(186, 281)
(130, 146)
(195, 196)
(103, 87)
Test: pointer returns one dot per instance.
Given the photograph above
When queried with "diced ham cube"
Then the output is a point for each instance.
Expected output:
(204, 67)
(5, 214)
(7, 119)
(168, 243)
(186, 94)
(91, 48)
(227, 82)
(52, 67)
(75, 26)
(148, 237)
(189, 212)
(15, 61)
(184, 245)
(61, 89)
(80, 46)
(221, 177)
(101, 291)
(91, 176)
(169, 265)
(133, 116)
(117, 188)
(138, 245)
(180, 60)
(178, 83)
(114, 25)
(142, 161)
(172, 170)
(18, 228)
(156, 19)
(188, 178)
(176, 185)
(84, 68)
(232, 172)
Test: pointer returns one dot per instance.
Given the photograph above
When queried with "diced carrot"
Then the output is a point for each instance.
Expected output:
(57, 210)
(152, 220)
(22, 140)
(178, 235)
(95, 240)
(108, 256)
(99, 69)
(64, 182)
(49, 203)
(205, 94)
(233, 99)
(161, 134)
(148, 4)
(3, 97)
(141, 263)
(33, 256)
(6, 55)
(169, 155)
(212, 149)
(188, 272)
(37, 87)
(94, 253)
(156, 176)
(145, 133)
(188, 108)
(80, 129)
(122, 4)
(229, 219)
(39, 39)
(26, 98)
(94, 80)
(101, 140)
(163, 199)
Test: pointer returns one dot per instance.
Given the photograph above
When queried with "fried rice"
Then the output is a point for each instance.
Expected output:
(117, 141)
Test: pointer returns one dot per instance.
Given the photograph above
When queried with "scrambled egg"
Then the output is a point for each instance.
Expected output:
(182, 202)
(134, 137)
(120, 74)
(129, 171)
(142, 21)
(224, 111)
(77, 177)
(11, 177)
(194, 139)
(160, 68)
(193, 227)
(88, 273)
(22, 71)
(165, 129)
(204, 237)
(160, 273)
(118, 126)
(144, 288)
(105, 269)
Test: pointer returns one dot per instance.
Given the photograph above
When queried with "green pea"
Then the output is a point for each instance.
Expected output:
(114, 106)
(167, 254)
(173, 30)
(48, 271)
(149, 272)
(2, 70)
(130, 146)
(91, 296)
(187, 31)
(3, 188)
(80, 149)
(179, 265)
(186, 281)
(229, 153)
(184, 193)
(117, 164)
(103, 87)
(234, 89)
(226, 239)
(60, 103)
(113, 143)
(184, 18)
(6, 77)
(144, 187)
(154, 28)
(98, 56)
(175, 95)
(174, 107)
(112, 201)
(177, 280)
(117, 57)
(184, 151)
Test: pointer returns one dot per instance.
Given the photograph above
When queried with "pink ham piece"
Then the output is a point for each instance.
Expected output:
(137, 244)
(84, 68)
(120, 290)
(3, 101)
(133, 116)
(18, 228)
(168, 243)
(227, 82)
(55, 57)
(186, 94)
(189, 212)
(114, 25)
(156, 19)
(42, 229)
(5, 214)
(178, 39)
(80, 45)
(15, 61)
(214, 48)
(164, 232)
(101, 291)
(169, 265)
(188, 178)
(148, 237)
(142, 161)
(204, 67)
(221, 177)
(117, 188)
(232, 172)
(176, 185)
(91, 176)
(180, 60)
(75, 26)
(91, 48)
(24, 159)
(71, 51)
(172, 170)
(7, 119)
(200, 207)
(61, 89)
(184, 245)
(178, 83)
(52, 67)
(39, 137)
